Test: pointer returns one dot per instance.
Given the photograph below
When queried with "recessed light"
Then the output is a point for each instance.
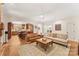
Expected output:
(41, 16)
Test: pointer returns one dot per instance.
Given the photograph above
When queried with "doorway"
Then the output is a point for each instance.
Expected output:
(71, 30)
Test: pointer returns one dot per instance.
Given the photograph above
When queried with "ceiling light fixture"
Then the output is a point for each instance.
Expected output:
(41, 16)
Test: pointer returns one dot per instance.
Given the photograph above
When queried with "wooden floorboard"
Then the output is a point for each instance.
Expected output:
(73, 48)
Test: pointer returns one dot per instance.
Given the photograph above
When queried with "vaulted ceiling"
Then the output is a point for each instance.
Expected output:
(40, 12)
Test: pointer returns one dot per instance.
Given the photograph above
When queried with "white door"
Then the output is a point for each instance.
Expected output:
(71, 30)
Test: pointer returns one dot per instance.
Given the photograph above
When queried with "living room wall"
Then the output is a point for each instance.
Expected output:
(70, 25)
(76, 21)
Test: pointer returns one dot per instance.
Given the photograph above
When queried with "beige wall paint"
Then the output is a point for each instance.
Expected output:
(0, 12)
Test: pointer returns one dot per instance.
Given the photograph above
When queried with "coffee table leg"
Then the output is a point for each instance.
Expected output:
(51, 43)
(45, 48)
(36, 43)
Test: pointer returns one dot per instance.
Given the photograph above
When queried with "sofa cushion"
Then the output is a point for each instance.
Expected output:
(54, 35)
(62, 36)
(56, 39)
(61, 40)
(49, 34)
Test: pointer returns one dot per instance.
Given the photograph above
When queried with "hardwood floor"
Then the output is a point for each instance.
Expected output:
(11, 48)
(73, 48)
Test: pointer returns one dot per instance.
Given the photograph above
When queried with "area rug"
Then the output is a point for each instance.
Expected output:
(33, 50)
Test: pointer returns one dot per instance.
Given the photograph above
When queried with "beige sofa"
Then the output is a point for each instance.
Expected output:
(59, 37)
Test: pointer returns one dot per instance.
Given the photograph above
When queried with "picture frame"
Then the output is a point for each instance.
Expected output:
(58, 27)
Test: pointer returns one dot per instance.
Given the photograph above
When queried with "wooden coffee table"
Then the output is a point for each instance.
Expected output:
(45, 43)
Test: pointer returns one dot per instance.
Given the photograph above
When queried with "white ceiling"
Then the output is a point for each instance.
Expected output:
(40, 12)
